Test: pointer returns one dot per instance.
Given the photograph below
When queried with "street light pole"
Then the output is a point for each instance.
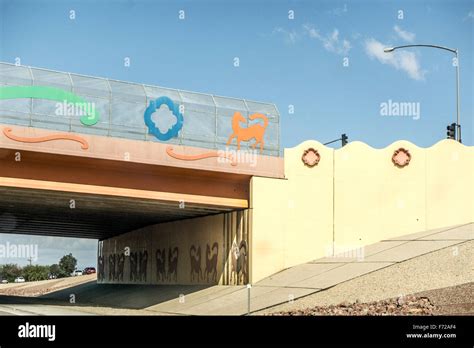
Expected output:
(456, 52)
(458, 105)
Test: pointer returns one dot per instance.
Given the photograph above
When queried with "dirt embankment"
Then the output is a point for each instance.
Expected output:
(42, 287)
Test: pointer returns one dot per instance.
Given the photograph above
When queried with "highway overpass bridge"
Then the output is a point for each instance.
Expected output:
(188, 188)
(96, 158)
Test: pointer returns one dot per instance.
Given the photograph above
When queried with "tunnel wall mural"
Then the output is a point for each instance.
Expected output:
(207, 250)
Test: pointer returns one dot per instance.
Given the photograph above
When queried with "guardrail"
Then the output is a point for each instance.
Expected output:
(121, 106)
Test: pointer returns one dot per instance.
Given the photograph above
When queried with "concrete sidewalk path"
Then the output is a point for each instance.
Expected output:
(301, 283)
(315, 276)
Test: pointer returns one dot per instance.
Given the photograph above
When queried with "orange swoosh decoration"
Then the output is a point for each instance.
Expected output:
(7, 131)
(170, 152)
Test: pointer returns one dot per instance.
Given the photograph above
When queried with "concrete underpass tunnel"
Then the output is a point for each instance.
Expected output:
(154, 225)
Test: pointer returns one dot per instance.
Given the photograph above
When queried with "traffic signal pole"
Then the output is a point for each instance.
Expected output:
(344, 139)
(451, 131)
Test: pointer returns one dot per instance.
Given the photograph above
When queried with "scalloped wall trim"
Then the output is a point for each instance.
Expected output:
(397, 143)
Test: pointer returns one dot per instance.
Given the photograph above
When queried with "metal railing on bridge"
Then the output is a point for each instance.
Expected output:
(122, 105)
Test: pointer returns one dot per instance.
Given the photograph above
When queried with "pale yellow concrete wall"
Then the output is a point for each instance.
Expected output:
(355, 196)
(292, 218)
(471, 193)
(450, 184)
(269, 207)
(178, 238)
(293, 221)
(374, 199)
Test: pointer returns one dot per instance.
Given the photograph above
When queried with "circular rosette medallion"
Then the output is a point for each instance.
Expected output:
(311, 157)
(401, 157)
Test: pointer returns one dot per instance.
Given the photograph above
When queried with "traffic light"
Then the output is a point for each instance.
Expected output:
(344, 139)
(451, 131)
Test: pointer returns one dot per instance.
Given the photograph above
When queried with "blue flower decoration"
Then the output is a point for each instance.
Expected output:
(174, 130)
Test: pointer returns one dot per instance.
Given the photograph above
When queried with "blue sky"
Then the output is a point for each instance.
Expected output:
(289, 62)
(286, 61)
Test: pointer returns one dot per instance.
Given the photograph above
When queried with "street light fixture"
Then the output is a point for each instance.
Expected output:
(452, 50)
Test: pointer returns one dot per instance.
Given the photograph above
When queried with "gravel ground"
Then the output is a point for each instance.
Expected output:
(454, 300)
(409, 305)
(440, 269)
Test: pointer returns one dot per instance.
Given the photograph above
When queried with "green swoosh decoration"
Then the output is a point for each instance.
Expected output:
(50, 93)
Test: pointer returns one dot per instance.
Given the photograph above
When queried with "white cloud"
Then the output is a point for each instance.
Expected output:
(470, 15)
(331, 42)
(51, 249)
(404, 35)
(338, 11)
(401, 60)
(289, 36)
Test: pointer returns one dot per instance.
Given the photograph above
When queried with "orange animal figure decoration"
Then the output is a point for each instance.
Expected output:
(256, 131)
